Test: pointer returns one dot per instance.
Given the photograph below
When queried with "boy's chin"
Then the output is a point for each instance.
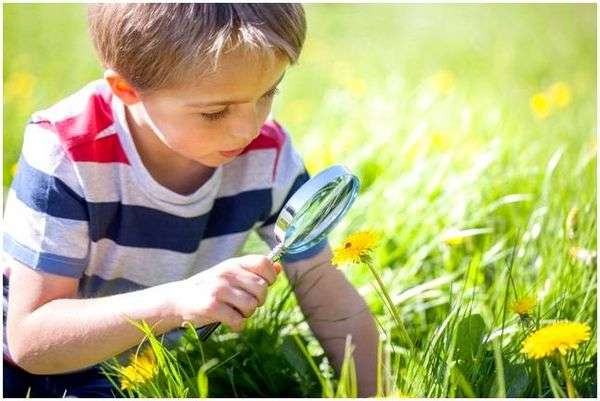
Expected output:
(216, 161)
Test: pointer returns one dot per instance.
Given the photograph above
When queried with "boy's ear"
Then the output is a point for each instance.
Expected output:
(121, 88)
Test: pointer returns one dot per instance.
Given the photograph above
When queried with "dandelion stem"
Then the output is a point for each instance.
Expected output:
(571, 392)
(538, 378)
(391, 306)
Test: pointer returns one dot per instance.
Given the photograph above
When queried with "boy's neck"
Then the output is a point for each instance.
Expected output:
(169, 169)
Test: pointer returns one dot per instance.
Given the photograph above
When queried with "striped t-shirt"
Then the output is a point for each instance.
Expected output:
(83, 205)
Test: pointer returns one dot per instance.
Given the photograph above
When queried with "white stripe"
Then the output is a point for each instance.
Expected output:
(43, 151)
(108, 131)
(43, 233)
(250, 171)
(289, 166)
(150, 266)
(117, 182)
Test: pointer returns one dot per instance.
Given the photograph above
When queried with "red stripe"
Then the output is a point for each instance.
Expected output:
(95, 118)
(104, 150)
(271, 136)
(78, 133)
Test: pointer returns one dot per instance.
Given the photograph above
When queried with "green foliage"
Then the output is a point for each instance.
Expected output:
(471, 331)
(429, 106)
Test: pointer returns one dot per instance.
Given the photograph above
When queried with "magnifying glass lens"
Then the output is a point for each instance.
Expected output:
(320, 214)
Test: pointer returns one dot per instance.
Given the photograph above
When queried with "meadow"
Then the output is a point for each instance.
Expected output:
(473, 131)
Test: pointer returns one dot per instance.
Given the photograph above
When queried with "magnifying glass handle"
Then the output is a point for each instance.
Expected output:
(205, 331)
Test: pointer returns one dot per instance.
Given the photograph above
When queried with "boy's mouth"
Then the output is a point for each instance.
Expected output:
(232, 153)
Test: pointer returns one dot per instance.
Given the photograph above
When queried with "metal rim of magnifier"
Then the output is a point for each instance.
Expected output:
(308, 190)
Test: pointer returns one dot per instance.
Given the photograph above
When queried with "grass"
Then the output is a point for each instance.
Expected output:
(430, 106)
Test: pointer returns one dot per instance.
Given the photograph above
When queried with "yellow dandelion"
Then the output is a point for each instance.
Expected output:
(560, 94)
(356, 248)
(357, 86)
(559, 337)
(141, 368)
(439, 140)
(523, 306)
(20, 85)
(453, 239)
(443, 82)
(540, 105)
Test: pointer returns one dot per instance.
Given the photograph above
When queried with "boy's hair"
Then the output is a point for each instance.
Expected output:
(158, 45)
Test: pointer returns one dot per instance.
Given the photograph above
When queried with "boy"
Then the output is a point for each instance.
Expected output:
(134, 195)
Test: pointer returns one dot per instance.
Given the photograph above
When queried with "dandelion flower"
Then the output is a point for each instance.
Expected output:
(439, 140)
(523, 306)
(141, 368)
(560, 336)
(443, 82)
(453, 238)
(357, 87)
(560, 94)
(356, 248)
(540, 105)
(20, 85)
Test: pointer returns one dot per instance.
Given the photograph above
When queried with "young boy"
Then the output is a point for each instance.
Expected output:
(134, 195)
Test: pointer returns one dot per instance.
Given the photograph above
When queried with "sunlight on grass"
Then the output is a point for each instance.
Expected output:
(472, 129)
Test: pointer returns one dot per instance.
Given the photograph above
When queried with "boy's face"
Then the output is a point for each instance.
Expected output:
(211, 120)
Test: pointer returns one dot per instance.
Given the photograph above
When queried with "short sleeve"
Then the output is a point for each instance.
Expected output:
(290, 175)
(45, 218)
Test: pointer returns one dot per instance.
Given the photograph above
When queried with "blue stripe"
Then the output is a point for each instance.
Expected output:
(144, 227)
(43, 261)
(47, 194)
(238, 213)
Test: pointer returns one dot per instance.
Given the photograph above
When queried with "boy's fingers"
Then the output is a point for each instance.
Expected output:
(261, 265)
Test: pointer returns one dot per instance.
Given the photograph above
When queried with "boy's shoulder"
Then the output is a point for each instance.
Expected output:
(83, 124)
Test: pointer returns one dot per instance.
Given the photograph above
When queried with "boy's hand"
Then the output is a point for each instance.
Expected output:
(229, 292)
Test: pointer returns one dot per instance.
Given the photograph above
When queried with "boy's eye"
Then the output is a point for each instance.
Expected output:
(220, 114)
(214, 116)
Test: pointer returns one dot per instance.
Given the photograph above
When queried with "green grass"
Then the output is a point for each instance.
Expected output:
(476, 157)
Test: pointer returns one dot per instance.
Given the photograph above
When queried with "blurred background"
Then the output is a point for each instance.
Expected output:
(464, 73)
(472, 129)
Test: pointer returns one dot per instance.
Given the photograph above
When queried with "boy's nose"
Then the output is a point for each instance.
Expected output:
(247, 129)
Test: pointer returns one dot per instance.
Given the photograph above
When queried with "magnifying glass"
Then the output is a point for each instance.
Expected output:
(308, 216)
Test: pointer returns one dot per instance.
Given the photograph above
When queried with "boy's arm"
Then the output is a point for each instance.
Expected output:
(51, 331)
(334, 309)
(54, 332)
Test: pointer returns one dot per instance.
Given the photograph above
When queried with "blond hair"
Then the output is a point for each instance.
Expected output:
(158, 45)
